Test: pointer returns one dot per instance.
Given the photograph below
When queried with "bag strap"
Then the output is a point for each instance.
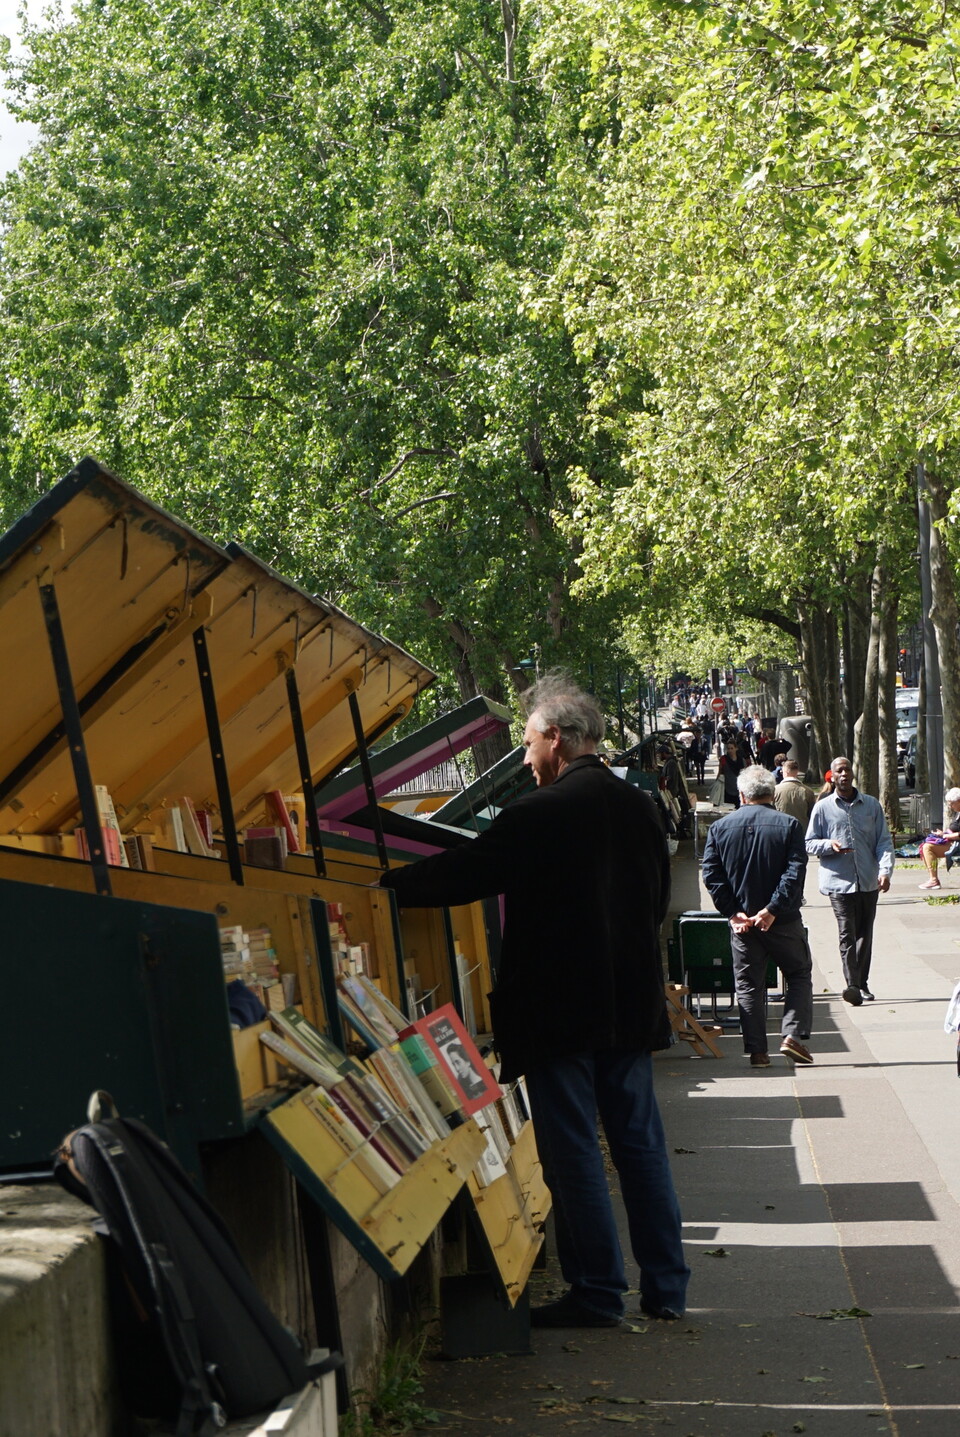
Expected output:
(200, 1412)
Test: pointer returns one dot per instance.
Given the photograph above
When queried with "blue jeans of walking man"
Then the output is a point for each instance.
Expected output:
(566, 1097)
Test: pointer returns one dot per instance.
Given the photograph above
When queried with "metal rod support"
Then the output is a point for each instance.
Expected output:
(367, 772)
(306, 781)
(216, 755)
(89, 810)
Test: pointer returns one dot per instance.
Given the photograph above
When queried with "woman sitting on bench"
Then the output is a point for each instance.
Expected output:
(939, 844)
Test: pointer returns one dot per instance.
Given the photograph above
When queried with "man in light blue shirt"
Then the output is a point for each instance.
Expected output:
(849, 835)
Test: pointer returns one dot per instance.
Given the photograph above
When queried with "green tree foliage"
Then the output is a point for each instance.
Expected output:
(267, 262)
(771, 239)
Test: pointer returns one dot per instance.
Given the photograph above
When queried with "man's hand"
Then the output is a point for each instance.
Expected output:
(740, 923)
(837, 846)
(764, 919)
(883, 883)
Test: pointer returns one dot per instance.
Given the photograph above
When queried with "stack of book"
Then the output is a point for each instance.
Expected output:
(235, 950)
(442, 1055)
(189, 829)
(383, 1126)
(265, 847)
(349, 958)
(250, 956)
(139, 850)
(277, 805)
(113, 844)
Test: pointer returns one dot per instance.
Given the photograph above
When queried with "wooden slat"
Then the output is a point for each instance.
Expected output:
(512, 1212)
(393, 1227)
(687, 1027)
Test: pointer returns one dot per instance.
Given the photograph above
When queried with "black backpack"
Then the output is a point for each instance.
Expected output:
(196, 1342)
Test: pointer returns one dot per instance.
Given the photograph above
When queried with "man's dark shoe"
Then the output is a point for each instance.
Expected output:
(568, 1312)
(853, 996)
(866, 995)
(793, 1048)
(660, 1314)
(759, 1060)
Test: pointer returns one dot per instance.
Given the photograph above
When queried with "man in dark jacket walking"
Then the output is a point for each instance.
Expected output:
(754, 864)
(579, 1004)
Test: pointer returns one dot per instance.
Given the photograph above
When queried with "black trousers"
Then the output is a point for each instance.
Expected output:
(786, 945)
(855, 916)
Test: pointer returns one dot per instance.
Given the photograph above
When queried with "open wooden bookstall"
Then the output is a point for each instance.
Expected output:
(149, 660)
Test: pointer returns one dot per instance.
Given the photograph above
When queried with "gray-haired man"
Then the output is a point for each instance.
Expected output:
(754, 865)
(579, 1004)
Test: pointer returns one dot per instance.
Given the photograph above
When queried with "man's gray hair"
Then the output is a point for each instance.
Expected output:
(952, 795)
(756, 782)
(557, 702)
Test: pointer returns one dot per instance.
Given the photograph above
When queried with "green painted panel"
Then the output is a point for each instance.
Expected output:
(115, 994)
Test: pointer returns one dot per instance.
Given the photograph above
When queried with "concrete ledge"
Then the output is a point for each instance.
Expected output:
(56, 1375)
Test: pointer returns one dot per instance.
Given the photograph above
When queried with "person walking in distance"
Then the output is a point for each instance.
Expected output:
(579, 1004)
(754, 865)
(849, 835)
(792, 795)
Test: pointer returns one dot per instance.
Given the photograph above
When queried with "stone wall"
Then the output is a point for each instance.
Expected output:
(56, 1371)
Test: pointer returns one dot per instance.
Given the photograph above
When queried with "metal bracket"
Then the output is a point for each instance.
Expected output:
(216, 755)
(78, 748)
(306, 781)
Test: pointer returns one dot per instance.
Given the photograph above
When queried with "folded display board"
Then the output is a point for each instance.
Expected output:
(134, 584)
(511, 1213)
(387, 1230)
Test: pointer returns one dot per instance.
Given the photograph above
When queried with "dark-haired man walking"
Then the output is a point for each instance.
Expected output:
(849, 835)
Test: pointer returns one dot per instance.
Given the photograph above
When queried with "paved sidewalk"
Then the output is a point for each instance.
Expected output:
(804, 1192)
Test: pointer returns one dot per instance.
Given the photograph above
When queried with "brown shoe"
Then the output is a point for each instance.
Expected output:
(793, 1048)
(759, 1060)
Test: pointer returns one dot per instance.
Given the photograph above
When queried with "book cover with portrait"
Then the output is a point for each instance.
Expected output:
(458, 1053)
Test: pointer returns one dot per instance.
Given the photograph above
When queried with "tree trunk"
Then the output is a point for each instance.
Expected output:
(866, 753)
(461, 645)
(509, 38)
(856, 635)
(820, 657)
(889, 793)
(944, 615)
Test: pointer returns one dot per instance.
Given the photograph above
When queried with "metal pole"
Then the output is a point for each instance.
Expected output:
(73, 724)
(623, 731)
(931, 658)
(306, 781)
(368, 784)
(217, 758)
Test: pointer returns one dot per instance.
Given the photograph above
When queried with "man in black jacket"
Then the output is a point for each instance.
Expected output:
(754, 864)
(579, 1005)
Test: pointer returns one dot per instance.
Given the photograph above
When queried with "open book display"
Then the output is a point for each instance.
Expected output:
(441, 1053)
(388, 1164)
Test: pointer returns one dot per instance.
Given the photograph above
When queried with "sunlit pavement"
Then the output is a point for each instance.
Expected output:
(807, 1194)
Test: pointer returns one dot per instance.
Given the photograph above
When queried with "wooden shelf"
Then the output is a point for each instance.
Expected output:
(387, 1229)
(511, 1213)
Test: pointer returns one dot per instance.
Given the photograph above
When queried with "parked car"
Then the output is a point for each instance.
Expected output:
(907, 756)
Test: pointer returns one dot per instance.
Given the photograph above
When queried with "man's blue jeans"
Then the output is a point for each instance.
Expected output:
(565, 1097)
